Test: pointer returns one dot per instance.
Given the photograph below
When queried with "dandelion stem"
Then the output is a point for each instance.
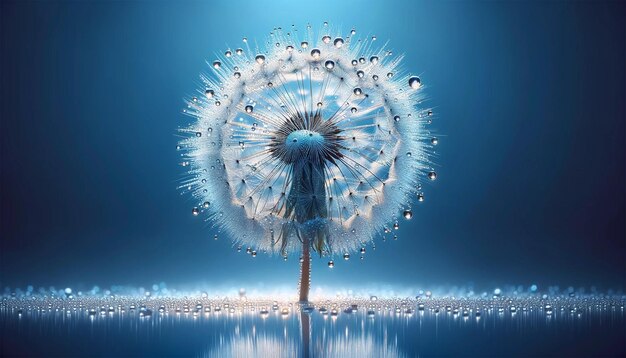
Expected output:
(305, 271)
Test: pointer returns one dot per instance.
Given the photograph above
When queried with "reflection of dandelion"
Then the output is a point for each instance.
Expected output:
(314, 142)
(262, 345)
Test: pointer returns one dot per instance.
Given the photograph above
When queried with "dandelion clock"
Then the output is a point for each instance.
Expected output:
(312, 142)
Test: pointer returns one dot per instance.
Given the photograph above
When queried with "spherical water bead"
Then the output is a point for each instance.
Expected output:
(408, 214)
(420, 197)
(362, 60)
(357, 91)
(360, 73)
(245, 39)
(239, 51)
(346, 256)
(237, 74)
(331, 263)
(195, 211)
(326, 39)
(217, 65)
(249, 109)
(373, 38)
(259, 59)
(338, 42)
(396, 226)
(289, 48)
(408, 154)
(434, 141)
(209, 93)
(396, 118)
(315, 53)
(304, 44)
(414, 82)
(228, 53)
(206, 204)
(374, 59)
(354, 62)
(329, 64)
(353, 109)
(362, 250)
(198, 134)
(375, 77)
(253, 253)
(432, 175)
(390, 74)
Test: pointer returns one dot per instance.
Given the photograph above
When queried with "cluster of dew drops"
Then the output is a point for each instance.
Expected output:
(414, 83)
(563, 305)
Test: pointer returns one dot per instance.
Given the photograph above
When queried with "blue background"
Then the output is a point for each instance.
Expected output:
(530, 99)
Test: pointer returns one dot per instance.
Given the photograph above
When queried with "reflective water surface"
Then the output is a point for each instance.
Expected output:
(201, 327)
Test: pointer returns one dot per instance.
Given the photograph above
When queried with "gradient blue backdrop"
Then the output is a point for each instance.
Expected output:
(530, 97)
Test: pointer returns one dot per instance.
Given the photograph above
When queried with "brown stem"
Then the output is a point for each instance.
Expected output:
(305, 271)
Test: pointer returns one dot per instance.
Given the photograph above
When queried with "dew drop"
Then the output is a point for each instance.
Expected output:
(390, 74)
(420, 197)
(195, 211)
(228, 53)
(414, 82)
(331, 263)
(217, 65)
(209, 93)
(432, 175)
(346, 256)
(326, 39)
(338, 42)
(239, 51)
(353, 109)
(304, 44)
(329, 64)
(396, 118)
(360, 73)
(354, 62)
(260, 59)
(374, 59)
(206, 204)
(434, 141)
(315, 53)
(249, 109)
(357, 91)
(408, 214)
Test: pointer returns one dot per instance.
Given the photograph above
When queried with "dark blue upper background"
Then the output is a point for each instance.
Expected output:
(530, 96)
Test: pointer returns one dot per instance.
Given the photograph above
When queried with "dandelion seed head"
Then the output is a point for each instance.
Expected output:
(307, 143)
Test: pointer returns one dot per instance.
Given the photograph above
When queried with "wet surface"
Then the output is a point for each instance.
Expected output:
(201, 327)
